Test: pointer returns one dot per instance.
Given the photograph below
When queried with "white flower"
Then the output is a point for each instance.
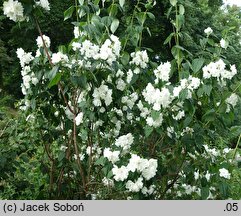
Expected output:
(113, 157)
(231, 100)
(155, 123)
(116, 45)
(207, 176)
(13, 10)
(79, 119)
(104, 93)
(26, 81)
(196, 175)
(226, 150)
(25, 58)
(108, 182)
(156, 97)
(120, 84)
(217, 70)
(129, 76)
(135, 186)
(224, 173)
(208, 31)
(125, 141)
(59, 57)
(149, 191)
(163, 71)
(76, 32)
(44, 4)
(224, 43)
(150, 171)
(40, 41)
(35, 80)
(120, 174)
(140, 58)
(134, 162)
(63, 148)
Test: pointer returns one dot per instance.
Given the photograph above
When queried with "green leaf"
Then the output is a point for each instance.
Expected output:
(109, 175)
(223, 187)
(209, 115)
(168, 39)
(151, 15)
(204, 193)
(113, 10)
(80, 81)
(181, 10)
(183, 94)
(53, 72)
(187, 121)
(235, 131)
(114, 25)
(68, 13)
(148, 131)
(207, 89)
(173, 2)
(125, 58)
(55, 80)
(155, 115)
(141, 17)
(121, 3)
(61, 156)
(197, 64)
(101, 161)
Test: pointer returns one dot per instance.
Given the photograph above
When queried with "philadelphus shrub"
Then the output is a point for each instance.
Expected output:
(132, 123)
(14, 9)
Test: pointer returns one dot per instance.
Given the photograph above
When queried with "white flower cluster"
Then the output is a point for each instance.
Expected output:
(153, 96)
(212, 151)
(147, 168)
(40, 44)
(163, 72)
(120, 84)
(140, 58)
(25, 58)
(125, 141)
(44, 4)
(144, 110)
(108, 182)
(155, 122)
(135, 186)
(79, 119)
(208, 31)
(224, 43)
(28, 77)
(108, 52)
(59, 57)
(13, 10)
(129, 100)
(178, 110)
(197, 175)
(191, 84)
(232, 100)
(102, 93)
(120, 174)
(149, 191)
(217, 70)
(40, 41)
(112, 156)
(224, 173)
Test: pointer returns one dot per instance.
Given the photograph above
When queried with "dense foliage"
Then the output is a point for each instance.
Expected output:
(140, 104)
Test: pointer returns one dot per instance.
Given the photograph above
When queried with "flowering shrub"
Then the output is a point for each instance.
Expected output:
(122, 125)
